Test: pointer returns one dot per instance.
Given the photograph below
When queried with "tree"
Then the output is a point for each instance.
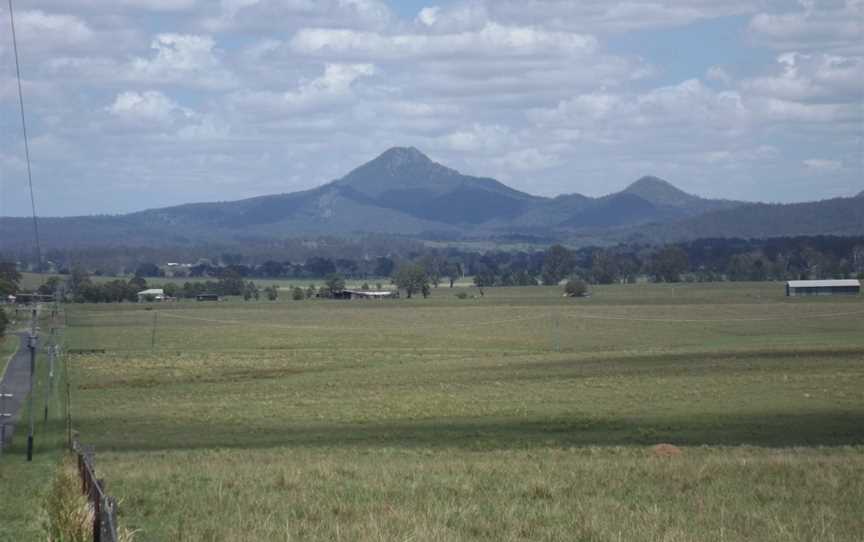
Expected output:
(170, 289)
(138, 283)
(272, 268)
(310, 291)
(604, 267)
(557, 264)
(231, 283)
(297, 294)
(272, 292)
(484, 278)
(384, 267)
(319, 267)
(453, 271)
(148, 270)
(411, 278)
(52, 286)
(4, 322)
(575, 288)
(669, 263)
(250, 291)
(333, 283)
(9, 278)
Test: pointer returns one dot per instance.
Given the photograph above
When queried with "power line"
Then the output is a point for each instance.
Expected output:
(26, 141)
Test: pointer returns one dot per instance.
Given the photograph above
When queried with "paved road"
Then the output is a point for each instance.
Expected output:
(16, 380)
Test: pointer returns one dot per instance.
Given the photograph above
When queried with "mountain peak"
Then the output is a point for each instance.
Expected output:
(659, 192)
(401, 156)
(399, 168)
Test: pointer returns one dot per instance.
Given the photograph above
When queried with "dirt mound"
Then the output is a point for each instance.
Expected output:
(666, 450)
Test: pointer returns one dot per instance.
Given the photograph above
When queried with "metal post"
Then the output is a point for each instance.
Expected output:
(32, 346)
(3, 416)
(50, 382)
(153, 337)
(556, 333)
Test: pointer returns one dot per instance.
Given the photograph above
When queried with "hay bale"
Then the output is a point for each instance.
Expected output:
(666, 450)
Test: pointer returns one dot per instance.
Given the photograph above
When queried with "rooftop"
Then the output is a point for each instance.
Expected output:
(823, 283)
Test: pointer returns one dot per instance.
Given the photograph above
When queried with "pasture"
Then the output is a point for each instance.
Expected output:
(520, 415)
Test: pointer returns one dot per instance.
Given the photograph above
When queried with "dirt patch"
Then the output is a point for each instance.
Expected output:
(665, 450)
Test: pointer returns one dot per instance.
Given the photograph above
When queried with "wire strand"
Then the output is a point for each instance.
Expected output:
(26, 143)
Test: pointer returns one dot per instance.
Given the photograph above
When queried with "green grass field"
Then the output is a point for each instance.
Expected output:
(521, 415)
(23, 484)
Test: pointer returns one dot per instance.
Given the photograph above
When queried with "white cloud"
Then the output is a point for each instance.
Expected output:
(823, 165)
(39, 31)
(148, 106)
(478, 139)
(524, 160)
(492, 39)
(161, 5)
(827, 25)
(587, 15)
(816, 75)
(282, 15)
(534, 91)
(428, 16)
(717, 73)
(183, 59)
(331, 88)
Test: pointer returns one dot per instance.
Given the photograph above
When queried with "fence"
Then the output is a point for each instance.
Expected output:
(104, 506)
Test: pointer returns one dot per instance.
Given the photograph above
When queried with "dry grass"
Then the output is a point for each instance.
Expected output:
(68, 516)
(447, 419)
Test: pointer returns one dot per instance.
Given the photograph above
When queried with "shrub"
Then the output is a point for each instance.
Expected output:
(576, 288)
(462, 295)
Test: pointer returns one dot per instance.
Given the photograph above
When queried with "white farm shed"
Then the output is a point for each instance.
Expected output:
(796, 288)
(153, 294)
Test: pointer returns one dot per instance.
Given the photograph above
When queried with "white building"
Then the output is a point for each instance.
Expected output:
(796, 288)
(153, 294)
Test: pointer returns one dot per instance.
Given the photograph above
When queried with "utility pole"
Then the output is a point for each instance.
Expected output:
(31, 344)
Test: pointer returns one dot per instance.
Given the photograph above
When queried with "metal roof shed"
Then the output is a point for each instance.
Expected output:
(796, 288)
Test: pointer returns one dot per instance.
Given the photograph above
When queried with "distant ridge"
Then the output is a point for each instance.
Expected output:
(403, 192)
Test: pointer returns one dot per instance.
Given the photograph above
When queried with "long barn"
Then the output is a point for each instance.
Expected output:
(796, 288)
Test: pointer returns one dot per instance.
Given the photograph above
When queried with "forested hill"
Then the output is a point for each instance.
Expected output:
(404, 193)
(838, 216)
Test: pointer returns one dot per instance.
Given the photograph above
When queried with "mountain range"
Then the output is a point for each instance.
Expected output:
(402, 192)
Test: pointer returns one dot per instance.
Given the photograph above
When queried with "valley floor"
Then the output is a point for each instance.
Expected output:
(521, 415)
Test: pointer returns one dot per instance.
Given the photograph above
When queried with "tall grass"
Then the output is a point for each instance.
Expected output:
(449, 419)
(68, 515)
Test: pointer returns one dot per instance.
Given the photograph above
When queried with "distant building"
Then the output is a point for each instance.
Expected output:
(365, 294)
(795, 288)
(208, 297)
(152, 294)
(28, 298)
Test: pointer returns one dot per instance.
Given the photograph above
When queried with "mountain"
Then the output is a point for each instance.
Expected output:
(403, 192)
(406, 180)
(838, 216)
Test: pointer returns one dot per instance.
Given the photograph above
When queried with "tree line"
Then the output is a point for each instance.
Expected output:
(415, 273)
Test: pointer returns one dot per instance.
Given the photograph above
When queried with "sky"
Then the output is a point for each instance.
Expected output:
(135, 104)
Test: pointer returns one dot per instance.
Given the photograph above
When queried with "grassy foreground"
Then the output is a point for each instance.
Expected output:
(518, 416)
(24, 485)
